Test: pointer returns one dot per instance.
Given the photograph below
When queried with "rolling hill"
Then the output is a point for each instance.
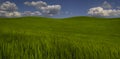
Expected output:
(68, 38)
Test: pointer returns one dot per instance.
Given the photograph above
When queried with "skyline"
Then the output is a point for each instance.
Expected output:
(60, 8)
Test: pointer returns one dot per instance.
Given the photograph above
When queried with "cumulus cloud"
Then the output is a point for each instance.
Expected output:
(8, 9)
(10, 14)
(104, 11)
(45, 9)
(8, 6)
(29, 13)
(37, 4)
(99, 11)
(51, 10)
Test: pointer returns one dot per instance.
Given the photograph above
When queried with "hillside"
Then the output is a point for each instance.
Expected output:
(69, 38)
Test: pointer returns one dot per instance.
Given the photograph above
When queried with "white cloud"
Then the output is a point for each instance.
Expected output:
(51, 10)
(10, 14)
(106, 5)
(8, 9)
(99, 11)
(37, 4)
(29, 13)
(104, 11)
(46, 10)
(8, 6)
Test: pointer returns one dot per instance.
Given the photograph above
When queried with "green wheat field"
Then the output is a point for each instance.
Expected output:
(53, 38)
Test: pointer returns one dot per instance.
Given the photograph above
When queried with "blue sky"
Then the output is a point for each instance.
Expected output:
(69, 8)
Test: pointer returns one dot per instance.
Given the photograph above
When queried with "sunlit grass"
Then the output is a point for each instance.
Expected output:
(70, 38)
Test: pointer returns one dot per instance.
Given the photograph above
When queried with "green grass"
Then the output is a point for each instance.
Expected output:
(69, 38)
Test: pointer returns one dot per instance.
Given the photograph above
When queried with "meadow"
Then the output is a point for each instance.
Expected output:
(52, 38)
